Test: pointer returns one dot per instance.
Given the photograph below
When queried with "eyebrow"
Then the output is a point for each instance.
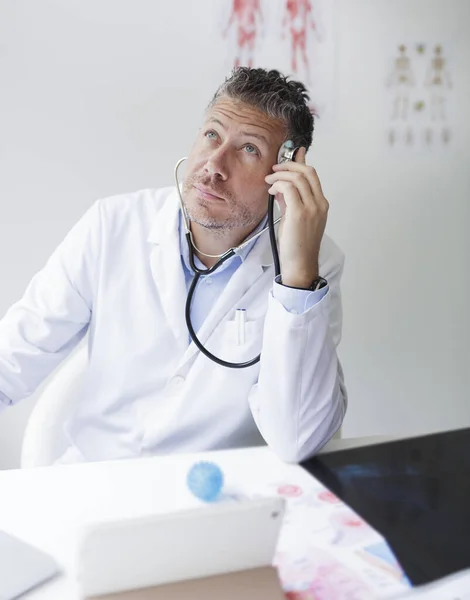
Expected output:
(258, 136)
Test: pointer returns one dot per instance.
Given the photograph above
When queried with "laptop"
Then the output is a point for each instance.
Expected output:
(23, 567)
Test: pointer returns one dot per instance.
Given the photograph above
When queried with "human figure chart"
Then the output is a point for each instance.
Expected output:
(437, 80)
(255, 35)
(420, 98)
(402, 79)
(298, 18)
(247, 17)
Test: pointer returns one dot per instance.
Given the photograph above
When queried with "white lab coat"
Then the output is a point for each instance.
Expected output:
(118, 275)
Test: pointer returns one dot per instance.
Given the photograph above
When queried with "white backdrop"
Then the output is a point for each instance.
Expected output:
(103, 96)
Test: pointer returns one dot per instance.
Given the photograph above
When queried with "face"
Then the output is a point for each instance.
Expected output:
(236, 148)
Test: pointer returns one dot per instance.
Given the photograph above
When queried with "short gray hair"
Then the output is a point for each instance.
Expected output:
(276, 96)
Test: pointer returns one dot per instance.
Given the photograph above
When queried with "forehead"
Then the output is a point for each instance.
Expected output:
(241, 117)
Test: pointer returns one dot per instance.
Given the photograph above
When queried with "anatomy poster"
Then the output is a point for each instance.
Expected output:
(419, 91)
(294, 36)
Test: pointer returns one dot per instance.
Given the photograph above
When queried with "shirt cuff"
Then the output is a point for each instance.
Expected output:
(297, 301)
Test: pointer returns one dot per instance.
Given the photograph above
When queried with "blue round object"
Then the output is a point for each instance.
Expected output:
(205, 480)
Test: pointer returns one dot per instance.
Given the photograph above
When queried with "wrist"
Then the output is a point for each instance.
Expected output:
(317, 284)
(299, 279)
(300, 284)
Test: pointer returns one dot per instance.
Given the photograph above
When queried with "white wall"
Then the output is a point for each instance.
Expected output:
(102, 96)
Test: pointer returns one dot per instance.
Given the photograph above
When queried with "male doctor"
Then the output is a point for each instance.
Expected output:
(122, 274)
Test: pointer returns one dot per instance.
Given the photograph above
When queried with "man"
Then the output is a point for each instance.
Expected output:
(122, 275)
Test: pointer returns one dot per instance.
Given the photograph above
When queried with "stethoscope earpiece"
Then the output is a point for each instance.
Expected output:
(286, 152)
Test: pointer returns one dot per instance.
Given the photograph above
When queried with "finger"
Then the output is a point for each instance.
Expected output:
(282, 204)
(300, 182)
(309, 199)
(290, 193)
(309, 173)
(300, 155)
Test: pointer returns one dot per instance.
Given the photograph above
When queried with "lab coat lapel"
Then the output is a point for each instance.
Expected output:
(241, 282)
(167, 270)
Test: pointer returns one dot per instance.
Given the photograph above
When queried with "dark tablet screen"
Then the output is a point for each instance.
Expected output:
(415, 492)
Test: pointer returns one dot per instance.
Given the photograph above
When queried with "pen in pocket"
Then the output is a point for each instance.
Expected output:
(240, 320)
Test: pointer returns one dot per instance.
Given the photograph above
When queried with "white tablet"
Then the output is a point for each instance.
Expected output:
(151, 551)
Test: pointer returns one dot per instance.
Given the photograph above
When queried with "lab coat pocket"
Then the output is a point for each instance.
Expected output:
(242, 341)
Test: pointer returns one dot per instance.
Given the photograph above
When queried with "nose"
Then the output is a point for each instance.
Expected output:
(216, 164)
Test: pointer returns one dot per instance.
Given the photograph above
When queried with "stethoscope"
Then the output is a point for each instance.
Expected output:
(287, 152)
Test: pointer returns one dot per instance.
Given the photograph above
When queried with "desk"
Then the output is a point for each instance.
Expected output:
(47, 506)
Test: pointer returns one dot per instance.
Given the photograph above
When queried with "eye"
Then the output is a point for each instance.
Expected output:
(211, 135)
(250, 149)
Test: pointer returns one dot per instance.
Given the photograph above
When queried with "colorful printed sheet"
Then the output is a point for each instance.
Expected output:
(326, 551)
